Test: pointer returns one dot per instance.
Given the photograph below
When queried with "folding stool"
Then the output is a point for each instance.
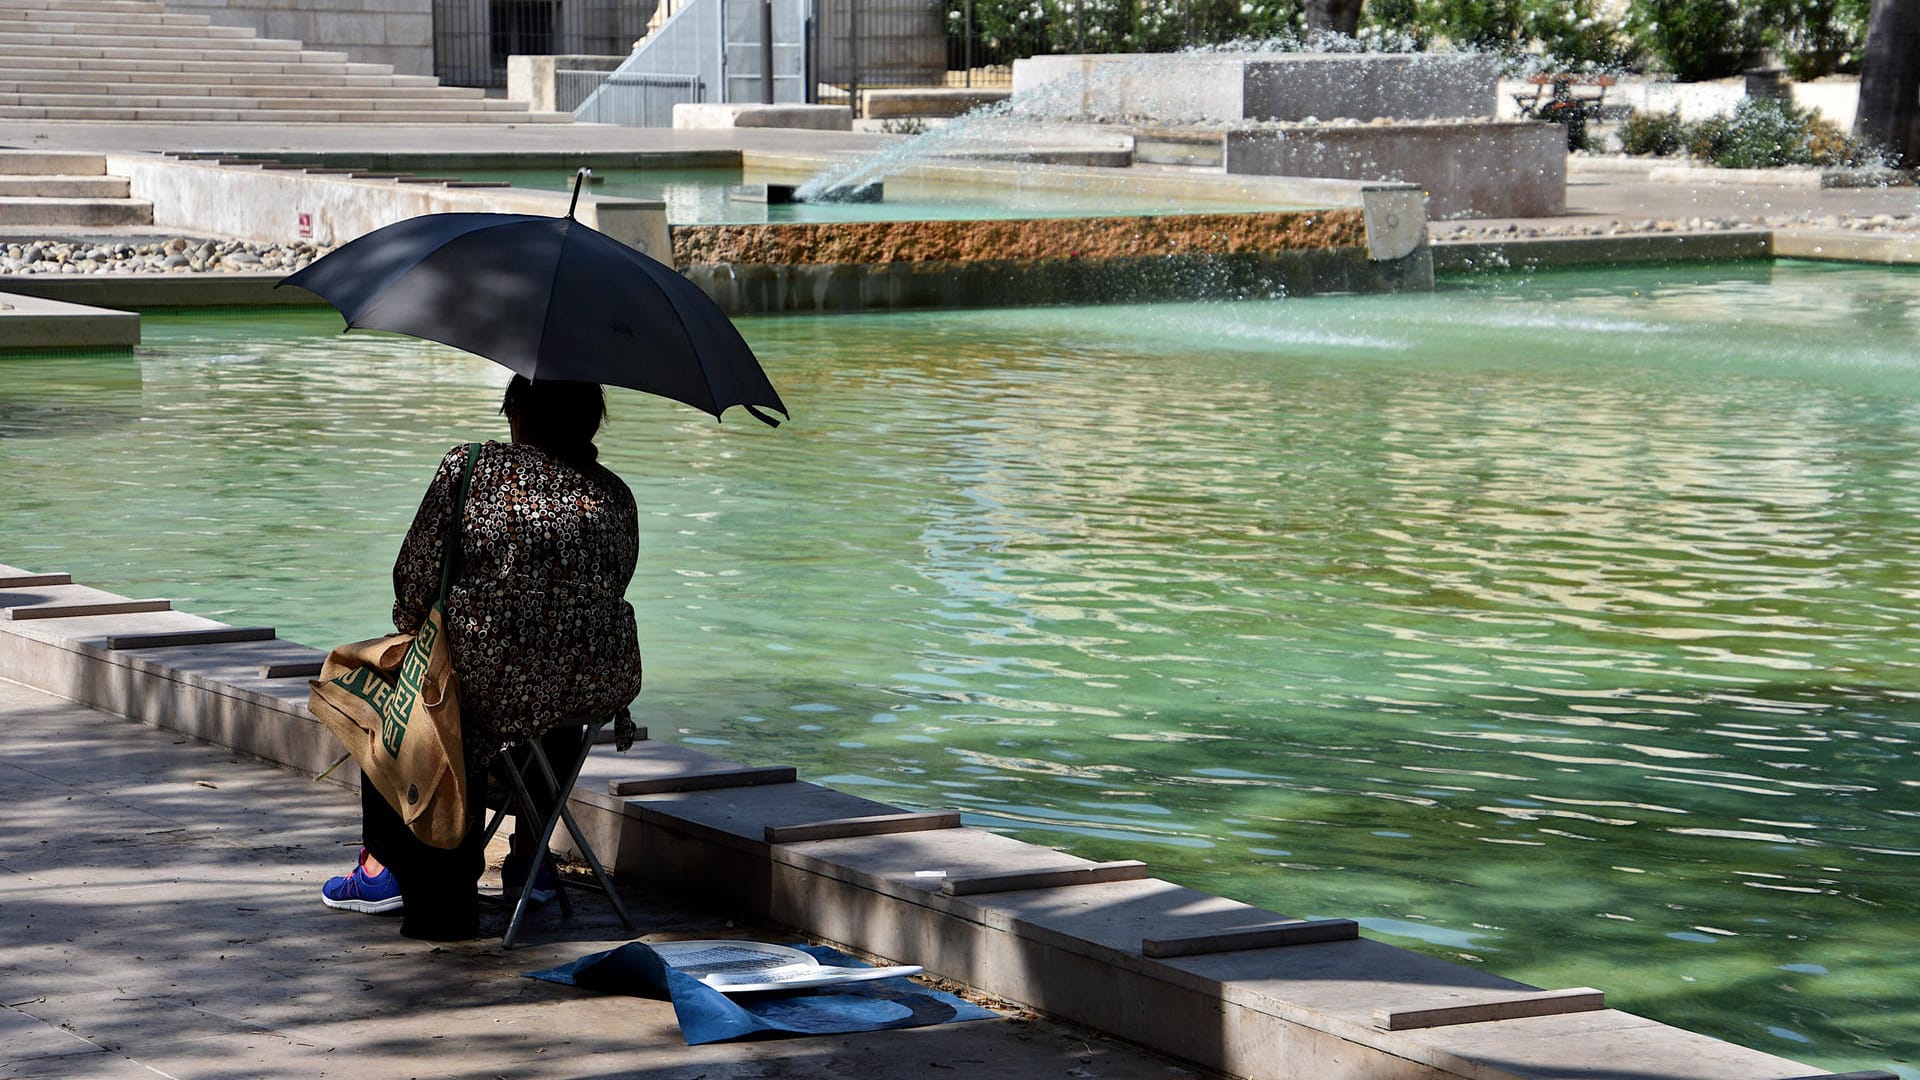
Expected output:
(519, 764)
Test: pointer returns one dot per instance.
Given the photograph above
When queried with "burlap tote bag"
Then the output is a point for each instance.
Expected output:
(394, 702)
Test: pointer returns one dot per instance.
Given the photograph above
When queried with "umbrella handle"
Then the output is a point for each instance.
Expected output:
(578, 179)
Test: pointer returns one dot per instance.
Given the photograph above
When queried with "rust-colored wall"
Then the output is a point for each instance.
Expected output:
(868, 242)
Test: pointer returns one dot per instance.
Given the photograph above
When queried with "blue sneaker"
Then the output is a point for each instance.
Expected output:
(360, 891)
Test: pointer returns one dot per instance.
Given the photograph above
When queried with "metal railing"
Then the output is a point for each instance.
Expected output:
(634, 99)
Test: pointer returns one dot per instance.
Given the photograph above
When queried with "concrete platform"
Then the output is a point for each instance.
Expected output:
(163, 919)
(32, 323)
(1076, 951)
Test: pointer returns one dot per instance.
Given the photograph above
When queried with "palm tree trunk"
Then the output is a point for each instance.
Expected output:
(1890, 80)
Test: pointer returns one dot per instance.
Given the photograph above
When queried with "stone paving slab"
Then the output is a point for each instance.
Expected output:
(160, 900)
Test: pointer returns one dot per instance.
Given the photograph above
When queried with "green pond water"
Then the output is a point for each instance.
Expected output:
(699, 196)
(1564, 625)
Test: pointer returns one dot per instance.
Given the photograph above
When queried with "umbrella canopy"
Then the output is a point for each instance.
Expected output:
(549, 298)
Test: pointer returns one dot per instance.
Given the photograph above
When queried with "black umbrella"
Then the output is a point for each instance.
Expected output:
(549, 298)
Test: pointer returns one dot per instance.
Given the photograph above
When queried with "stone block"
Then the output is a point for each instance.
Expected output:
(1259, 86)
(1516, 169)
(31, 323)
(270, 205)
(928, 101)
(532, 79)
(809, 117)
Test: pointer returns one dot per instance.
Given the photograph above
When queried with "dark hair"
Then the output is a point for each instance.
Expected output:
(558, 417)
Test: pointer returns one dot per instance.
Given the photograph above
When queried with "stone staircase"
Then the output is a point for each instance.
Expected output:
(48, 193)
(133, 60)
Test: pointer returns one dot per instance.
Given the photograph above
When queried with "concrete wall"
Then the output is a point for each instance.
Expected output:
(1363, 87)
(1835, 99)
(1280, 86)
(903, 286)
(1468, 170)
(398, 33)
(256, 204)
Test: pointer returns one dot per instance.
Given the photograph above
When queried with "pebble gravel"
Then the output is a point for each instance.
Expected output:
(177, 255)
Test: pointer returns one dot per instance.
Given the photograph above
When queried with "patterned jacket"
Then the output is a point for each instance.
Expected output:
(537, 612)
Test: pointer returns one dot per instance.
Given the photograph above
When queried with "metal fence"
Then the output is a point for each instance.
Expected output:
(827, 50)
(633, 100)
(709, 50)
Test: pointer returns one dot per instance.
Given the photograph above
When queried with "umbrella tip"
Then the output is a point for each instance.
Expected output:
(579, 178)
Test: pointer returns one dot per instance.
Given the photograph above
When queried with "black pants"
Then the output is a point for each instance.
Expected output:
(440, 886)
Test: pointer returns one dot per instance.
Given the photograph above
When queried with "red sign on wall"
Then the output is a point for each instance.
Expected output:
(306, 223)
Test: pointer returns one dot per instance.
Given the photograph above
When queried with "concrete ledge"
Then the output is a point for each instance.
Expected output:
(1538, 253)
(1788, 176)
(288, 205)
(931, 101)
(1172, 146)
(1074, 952)
(1847, 245)
(809, 117)
(143, 291)
(31, 322)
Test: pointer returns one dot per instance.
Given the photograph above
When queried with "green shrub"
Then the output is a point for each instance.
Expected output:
(1008, 30)
(1695, 39)
(1535, 35)
(1761, 133)
(1834, 148)
(1653, 133)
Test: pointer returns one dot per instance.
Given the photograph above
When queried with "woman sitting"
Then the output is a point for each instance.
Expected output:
(540, 629)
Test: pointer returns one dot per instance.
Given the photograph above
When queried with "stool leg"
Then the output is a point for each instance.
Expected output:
(544, 824)
(588, 738)
(541, 823)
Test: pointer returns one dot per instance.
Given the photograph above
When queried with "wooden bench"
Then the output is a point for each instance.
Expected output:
(1551, 95)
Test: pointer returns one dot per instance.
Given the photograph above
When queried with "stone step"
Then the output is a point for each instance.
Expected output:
(95, 46)
(13, 13)
(51, 163)
(120, 27)
(177, 70)
(127, 7)
(289, 116)
(23, 210)
(30, 66)
(114, 35)
(360, 103)
(165, 83)
(59, 186)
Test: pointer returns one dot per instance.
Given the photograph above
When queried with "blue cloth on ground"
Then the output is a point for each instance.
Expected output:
(707, 1015)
